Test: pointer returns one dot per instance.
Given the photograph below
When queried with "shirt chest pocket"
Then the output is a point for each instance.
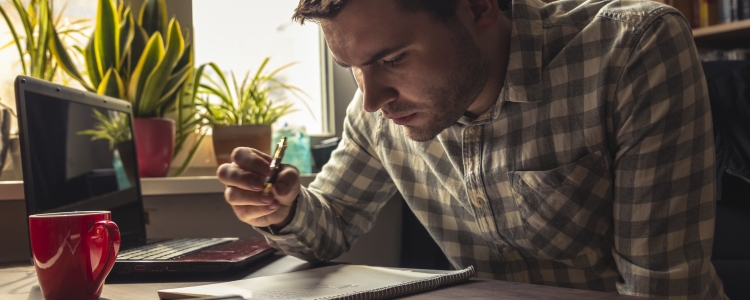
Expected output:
(566, 211)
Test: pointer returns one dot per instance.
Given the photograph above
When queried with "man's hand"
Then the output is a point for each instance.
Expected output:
(245, 177)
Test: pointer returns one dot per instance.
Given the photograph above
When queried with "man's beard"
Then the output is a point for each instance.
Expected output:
(452, 96)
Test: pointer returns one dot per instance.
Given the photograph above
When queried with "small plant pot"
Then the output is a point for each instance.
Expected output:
(227, 138)
(154, 143)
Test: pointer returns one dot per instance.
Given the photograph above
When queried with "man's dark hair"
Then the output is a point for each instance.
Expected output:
(442, 10)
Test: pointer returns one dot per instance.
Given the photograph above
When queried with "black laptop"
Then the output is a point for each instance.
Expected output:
(65, 170)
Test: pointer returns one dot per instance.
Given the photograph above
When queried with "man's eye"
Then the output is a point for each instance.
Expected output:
(395, 61)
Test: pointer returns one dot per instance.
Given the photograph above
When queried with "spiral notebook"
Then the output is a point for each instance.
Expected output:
(333, 282)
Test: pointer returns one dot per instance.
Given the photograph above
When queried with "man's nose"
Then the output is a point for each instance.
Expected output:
(376, 91)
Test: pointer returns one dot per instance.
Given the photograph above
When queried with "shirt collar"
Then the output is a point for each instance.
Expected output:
(524, 76)
(492, 113)
(523, 81)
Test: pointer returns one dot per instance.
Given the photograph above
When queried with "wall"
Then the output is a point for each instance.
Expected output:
(208, 215)
(13, 231)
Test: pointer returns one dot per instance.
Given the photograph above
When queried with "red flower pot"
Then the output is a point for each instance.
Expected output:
(154, 142)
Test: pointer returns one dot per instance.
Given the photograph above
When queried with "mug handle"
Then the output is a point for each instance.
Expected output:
(113, 238)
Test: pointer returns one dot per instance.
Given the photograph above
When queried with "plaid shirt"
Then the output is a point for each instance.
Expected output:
(594, 169)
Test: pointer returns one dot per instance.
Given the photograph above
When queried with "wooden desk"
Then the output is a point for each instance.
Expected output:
(18, 282)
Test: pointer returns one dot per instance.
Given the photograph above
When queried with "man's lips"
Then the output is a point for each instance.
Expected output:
(402, 120)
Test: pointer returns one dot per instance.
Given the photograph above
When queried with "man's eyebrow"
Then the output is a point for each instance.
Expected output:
(374, 58)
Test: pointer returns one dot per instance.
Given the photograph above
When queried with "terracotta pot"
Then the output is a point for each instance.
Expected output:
(226, 138)
(154, 143)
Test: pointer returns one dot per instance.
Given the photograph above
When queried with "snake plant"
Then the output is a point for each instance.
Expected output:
(144, 60)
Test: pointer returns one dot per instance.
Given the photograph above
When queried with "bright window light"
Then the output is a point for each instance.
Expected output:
(76, 15)
(238, 34)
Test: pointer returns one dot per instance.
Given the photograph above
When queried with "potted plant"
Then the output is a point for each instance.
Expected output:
(146, 62)
(245, 111)
(32, 41)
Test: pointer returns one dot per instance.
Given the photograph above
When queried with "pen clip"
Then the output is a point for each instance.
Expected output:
(278, 154)
(275, 166)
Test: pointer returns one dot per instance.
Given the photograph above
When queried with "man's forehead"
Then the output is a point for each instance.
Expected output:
(363, 28)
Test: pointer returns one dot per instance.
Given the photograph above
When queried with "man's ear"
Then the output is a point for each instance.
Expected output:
(485, 13)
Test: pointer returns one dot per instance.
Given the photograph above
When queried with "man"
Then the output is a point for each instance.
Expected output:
(566, 144)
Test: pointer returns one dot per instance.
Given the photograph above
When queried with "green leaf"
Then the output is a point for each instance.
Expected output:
(226, 94)
(253, 104)
(92, 64)
(127, 32)
(60, 53)
(116, 129)
(258, 79)
(187, 58)
(15, 38)
(152, 55)
(140, 38)
(175, 82)
(107, 36)
(153, 17)
(121, 9)
(191, 155)
(26, 24)
(157, 80)
(184, 107)
(112, 85)
(39, 55)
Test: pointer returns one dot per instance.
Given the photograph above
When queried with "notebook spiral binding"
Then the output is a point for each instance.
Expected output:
(409, 287)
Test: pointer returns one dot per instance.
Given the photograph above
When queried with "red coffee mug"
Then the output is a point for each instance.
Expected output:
(73, 252)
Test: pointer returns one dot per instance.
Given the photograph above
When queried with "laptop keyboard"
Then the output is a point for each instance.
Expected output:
(170, 249)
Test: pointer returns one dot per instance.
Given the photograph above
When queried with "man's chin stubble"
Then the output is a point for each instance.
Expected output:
(417, 136)
(423, 134)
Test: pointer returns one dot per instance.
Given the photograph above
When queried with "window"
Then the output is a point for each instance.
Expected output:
(239, 34)
(76, 15)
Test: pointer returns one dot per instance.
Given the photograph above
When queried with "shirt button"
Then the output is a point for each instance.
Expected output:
(479, 201)
(472, 130)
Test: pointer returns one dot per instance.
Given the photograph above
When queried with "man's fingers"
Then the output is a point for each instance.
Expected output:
(288, 181)
(233, 175)
(238, 196)
(256, 215)
(251, 160)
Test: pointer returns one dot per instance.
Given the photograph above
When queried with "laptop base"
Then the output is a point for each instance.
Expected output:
(220, 258)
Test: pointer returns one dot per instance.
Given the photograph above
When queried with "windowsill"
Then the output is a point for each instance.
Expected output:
(13, 190)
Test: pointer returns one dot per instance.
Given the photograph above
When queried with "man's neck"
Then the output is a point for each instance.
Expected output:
(499, 68)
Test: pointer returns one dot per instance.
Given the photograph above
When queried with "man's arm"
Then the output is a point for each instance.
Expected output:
(664, 177)
(345, 198)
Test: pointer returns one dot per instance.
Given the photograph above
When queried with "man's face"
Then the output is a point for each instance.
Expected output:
(420, 73)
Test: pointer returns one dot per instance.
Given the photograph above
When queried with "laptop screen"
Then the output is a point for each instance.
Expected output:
(82, 157)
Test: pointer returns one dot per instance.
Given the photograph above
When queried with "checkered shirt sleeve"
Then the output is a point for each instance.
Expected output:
(343, 201)
(664, 172)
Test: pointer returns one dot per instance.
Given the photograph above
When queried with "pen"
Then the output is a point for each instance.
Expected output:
(278, 155)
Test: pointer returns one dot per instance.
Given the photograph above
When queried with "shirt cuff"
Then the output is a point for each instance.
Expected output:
(296, 226)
